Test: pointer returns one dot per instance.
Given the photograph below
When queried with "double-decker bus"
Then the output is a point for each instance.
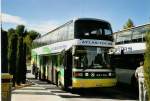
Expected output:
(128, 52)
(75, 55)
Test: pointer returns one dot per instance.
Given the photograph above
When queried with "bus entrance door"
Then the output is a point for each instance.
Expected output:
(68, 70)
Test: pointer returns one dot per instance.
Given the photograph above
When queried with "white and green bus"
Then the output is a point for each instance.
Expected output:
(75, 55)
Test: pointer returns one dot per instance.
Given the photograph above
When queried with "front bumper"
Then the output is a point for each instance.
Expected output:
(92, 83)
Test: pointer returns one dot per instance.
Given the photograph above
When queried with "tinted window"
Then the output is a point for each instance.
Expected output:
(91, 29)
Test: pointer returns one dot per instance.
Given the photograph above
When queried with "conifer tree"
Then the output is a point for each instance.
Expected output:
(128, 24)
(19, 70)
(24, 67)
(13, 56)
(4, 51)
(20, 31)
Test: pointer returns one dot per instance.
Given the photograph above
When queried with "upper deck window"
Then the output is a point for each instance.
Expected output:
(92, 29)
(124, 37)
(138, 35)
(134, 35)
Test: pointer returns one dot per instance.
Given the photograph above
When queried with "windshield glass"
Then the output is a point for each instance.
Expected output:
(91, 57)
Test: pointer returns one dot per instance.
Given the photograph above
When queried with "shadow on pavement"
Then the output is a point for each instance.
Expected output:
(103, 93)
(60, 91)
(119, 92)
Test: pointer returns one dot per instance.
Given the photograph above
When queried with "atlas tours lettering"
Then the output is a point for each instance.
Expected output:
(92, 42)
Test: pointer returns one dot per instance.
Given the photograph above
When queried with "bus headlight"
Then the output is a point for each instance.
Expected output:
(86, 74)
(109, 74)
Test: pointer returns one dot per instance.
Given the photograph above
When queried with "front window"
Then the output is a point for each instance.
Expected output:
(93, 29)
(91, 57)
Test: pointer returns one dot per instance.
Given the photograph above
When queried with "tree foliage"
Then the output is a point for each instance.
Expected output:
(13, 56)
(10, 34)
(147, 63)
(28, 42)
(20, 62)
(11, 31)
(24, 67)
(128, 24)
(20, 44)
(4, 47)
(33, 34)
(20, 29)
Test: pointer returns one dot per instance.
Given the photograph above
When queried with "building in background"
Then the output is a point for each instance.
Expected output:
(128, 52)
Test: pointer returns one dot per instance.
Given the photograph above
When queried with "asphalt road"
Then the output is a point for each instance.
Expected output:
(118, 93)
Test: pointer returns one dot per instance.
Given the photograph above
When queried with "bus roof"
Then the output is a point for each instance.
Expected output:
(74, 20)
(90, 19)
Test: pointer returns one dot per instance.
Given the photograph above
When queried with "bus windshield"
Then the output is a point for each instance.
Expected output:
(91, 57)
(90, 29)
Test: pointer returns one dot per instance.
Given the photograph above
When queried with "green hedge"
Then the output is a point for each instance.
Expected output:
(147, 63)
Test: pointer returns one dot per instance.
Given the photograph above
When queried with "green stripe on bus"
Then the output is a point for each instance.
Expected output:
(46, 50)
(34, 53)
(62, 71)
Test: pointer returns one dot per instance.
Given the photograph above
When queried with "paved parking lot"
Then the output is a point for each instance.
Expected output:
(43, 91)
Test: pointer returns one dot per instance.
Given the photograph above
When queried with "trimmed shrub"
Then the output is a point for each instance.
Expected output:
(13, 57)
(4, 51)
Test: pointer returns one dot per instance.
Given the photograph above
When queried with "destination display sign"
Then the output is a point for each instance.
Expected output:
(88, 42)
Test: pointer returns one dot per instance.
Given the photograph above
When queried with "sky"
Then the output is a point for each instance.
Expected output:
(45, 15)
